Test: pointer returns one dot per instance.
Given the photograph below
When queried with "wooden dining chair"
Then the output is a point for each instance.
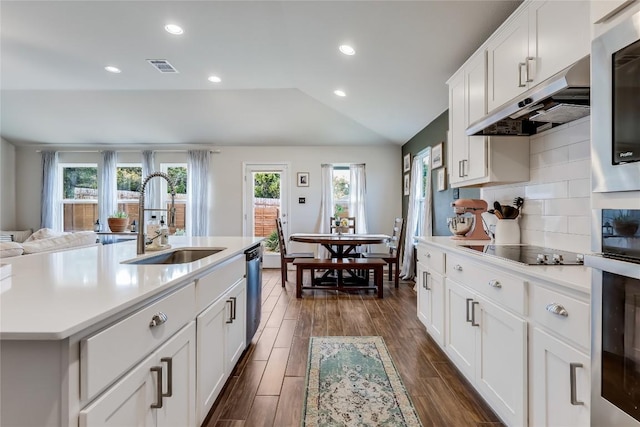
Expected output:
(349, 228)
(286, 258)
(395, 248)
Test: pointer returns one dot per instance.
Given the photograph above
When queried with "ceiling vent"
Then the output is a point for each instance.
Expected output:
(162, 65)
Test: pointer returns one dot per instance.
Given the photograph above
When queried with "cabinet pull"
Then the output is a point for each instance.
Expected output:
(428, 254)
(457, 267)
(233, 308)
(520, 65)
(464, 162)
(169, 362)
(425, 278)
(528, 70)
(556, 308)
(473, 313)
(158, 371)
(460, 175)
(158, 319)
(230, 320)
(494, 283)
(468, 316)
(572, 380)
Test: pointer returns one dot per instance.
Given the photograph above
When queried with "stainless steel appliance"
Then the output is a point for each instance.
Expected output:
(254, 290)
(615, 317)
(530, 254)
(615, 140)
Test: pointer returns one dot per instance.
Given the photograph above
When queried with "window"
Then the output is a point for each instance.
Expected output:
(129, 182)
(425, 159)
(79, 196)
(341, 178)
(178, 173)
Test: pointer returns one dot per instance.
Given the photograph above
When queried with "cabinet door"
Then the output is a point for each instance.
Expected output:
(559, 35)
(460, 336)
(423, 294)
(501, 370)
(211, 331)
(506, 55)
(436, 302)
(457, 126)
(178, 360)
(475, 90)
(236, 331)
(551, 383)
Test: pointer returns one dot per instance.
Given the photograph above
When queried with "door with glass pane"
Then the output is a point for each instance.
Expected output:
(265, 199)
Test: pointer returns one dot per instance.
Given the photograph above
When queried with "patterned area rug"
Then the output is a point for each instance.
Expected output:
(351, 381)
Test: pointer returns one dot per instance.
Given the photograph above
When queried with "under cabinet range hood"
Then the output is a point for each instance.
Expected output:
(561, 98)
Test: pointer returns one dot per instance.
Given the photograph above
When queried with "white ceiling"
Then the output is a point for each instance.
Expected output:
(278, 61)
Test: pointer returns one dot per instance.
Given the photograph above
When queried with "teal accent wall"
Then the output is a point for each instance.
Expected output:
(434, 134)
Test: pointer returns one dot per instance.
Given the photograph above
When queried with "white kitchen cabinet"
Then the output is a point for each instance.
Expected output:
(560, 383)
(431, 302)
(158, 392)
(221, 341)
(460, 336)
(540, 39)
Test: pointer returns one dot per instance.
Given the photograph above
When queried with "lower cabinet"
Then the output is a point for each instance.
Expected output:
(159, 391)
(560, 383)
(221, 341)
(488, 344)
(431, 302)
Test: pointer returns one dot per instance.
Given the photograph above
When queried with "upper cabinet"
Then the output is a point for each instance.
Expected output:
(538, 40)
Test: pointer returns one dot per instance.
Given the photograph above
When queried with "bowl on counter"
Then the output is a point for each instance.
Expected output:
(460, 225)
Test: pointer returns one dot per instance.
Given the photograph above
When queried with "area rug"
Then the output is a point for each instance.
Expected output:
(351, 381)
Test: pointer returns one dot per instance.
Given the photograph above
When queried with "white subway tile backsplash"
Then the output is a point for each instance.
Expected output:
(532, 237)
(567, 207)
(580, 169)
(579, 225)
(553, 157)
(569, 242)
(547, 191)
(580, 150)
(533, 207)
(580, 130)
(579, 188)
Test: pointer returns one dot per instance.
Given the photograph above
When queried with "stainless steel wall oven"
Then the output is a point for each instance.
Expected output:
(615, 328)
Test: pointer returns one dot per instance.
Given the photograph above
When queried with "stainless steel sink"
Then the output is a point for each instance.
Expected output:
(178, 256)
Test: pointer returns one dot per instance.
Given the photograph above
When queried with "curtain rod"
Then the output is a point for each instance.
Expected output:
(68, 150)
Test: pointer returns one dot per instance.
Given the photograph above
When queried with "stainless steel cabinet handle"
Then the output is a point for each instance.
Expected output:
(425, 282)
(428, 255)
(158, 319)
(158, 371)
(473, 313)
(233, 308)
(528, 70)
(464, 162)
(169, 362)
(468, 314)
(520, 65)
(556, 308)
(495, 284)
(457, 267)
(230, 320)
(572, 380)
(460, 175)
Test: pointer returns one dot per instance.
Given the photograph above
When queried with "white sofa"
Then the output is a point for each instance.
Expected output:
(47, 240)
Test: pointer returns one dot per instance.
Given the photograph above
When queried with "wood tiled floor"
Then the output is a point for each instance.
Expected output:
(267, 386)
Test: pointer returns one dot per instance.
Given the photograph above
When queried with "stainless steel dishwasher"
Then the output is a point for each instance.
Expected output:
(254, 290)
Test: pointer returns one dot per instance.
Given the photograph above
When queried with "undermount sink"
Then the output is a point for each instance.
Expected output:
(177, 256)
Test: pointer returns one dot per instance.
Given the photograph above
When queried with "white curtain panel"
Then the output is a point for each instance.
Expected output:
(107, 190)
(198, 164)
(152, 193)
(326, 205)
(51, 197)
(357, 197)
(413, 216)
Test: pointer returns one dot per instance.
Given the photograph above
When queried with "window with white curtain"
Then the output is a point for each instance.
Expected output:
(424, 157)
(79, 184)
(129, 182)
(179, 174)
(341, 178)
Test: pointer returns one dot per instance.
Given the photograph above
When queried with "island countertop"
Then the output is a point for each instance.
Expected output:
(52, 296)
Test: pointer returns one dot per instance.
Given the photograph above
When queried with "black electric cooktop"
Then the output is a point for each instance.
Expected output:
(529, 254)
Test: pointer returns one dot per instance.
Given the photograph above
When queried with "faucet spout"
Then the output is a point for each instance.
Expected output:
(141, 240)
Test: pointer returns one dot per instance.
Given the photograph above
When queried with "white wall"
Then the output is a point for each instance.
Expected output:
(384, 189)
(7, 186)
(557, 207)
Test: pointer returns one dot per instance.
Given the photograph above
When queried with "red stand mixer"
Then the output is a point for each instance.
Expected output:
(463, 225)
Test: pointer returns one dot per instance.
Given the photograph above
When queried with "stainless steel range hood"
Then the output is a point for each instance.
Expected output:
(561, 98)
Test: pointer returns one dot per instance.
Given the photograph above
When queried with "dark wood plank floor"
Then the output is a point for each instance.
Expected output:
(267, 386)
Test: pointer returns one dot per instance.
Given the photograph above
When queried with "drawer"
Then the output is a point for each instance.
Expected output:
(210, 287)
(562, 314)
(431, 258)
(500, 286)
(109, 353)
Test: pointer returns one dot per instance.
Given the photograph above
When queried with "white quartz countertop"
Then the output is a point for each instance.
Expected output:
(576, 277)
(53, 296)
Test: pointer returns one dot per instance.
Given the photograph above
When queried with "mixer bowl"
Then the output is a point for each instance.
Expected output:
(460, 225)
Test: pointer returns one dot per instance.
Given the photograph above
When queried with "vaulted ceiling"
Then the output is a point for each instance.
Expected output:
(278, 62)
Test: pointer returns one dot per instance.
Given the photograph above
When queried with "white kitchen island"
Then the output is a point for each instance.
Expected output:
(78, 346)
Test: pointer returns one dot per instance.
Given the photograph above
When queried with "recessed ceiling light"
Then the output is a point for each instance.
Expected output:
(339, 92)
(214, 79)
(347, 50)
(112, 69)
(173, 29)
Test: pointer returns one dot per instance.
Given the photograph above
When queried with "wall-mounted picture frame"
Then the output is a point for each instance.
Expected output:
(442, 179)
(303, 179)
(407, 184)
(406, 163)
(436, 156)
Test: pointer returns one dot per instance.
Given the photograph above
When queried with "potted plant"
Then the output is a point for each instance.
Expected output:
(625, 225)
(118, 221)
